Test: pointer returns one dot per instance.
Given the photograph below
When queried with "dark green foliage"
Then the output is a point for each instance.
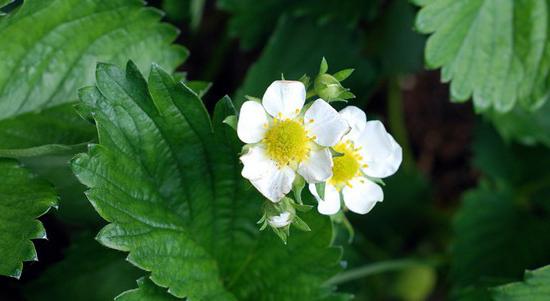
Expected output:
(169, 183)
(88, 272)
(535, 287)
(23, 198)
(295, 49)
(501, 226)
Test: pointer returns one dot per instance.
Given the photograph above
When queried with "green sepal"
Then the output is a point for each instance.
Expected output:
(306, 80)
(300, 224)
(335, 154)
(320, 187)
(252, 98)
(376, 180)
(343, 74)
(245, 149)
(323, 68)
(297, 187)
(302, 207)
(231, 121)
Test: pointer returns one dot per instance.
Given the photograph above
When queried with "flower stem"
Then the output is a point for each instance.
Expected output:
(396, 118)
(378, 267)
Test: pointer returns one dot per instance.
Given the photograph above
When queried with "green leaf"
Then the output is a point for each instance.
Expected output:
(55, 130)
(535, 287)
(49, 50)
(391, 34)
(169, 183)
(74, 210)
(508, 211)
(496, 52)
(527, 127)
(297, 46)
(146, 291)
(88, 272)
(199, 87)
(5, 2)
(246, 13)
(23, 198)
(488, 223)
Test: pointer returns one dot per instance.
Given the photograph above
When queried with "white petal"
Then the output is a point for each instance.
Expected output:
(284, 98)
(362, 195)
(331, 204)
(281, 220)
(252, 123)
(317, 167)
(276, 184)
(356, 119)
(380, 151)
(324, 122)
(256, 164)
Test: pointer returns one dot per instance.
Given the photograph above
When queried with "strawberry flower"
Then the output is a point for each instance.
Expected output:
(283, 138)
(367, 153)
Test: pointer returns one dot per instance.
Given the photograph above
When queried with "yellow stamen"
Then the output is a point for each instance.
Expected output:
(347, 166)
(287, 142)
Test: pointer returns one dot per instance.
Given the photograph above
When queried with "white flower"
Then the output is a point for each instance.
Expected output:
(367, 150)
(281, 220)
(284, 140)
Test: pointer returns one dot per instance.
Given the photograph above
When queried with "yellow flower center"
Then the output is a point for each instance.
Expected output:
(286, 142)
(347, 166)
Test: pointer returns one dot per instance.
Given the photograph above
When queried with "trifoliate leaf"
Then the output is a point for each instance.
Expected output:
(23, 198)
(495, 52)
(169, 184)
(89, 272)
(535, 287)
(49, 50)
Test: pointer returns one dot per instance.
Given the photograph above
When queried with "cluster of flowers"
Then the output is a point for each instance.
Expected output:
(340, 155)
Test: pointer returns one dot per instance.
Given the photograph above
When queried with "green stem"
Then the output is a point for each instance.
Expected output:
(396, 118)
(375, 268)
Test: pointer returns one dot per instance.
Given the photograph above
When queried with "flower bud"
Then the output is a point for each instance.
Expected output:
(328, 87)
(279, 221)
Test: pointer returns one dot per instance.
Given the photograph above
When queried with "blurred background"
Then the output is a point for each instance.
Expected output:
(467, 210)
